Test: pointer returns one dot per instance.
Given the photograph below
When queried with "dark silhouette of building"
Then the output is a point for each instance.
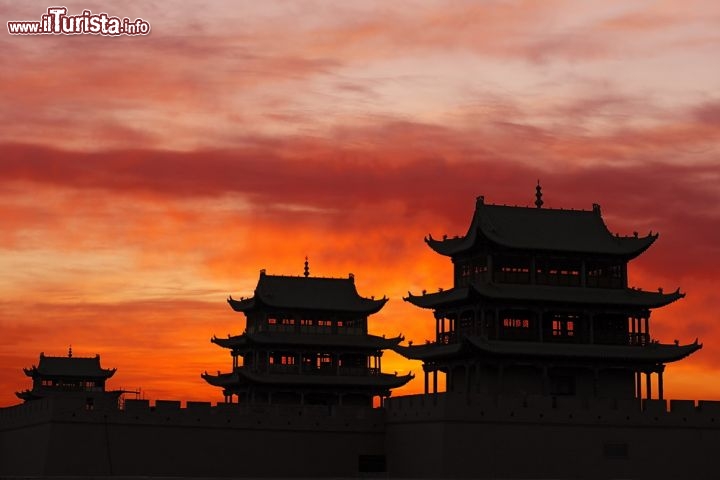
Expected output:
(68, 376)
(544, 345)
(306, 342)
(541, 306)
(542, 342)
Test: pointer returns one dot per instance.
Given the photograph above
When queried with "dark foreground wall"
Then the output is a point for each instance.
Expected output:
(461, 436)
(55, 438)
(435, 436)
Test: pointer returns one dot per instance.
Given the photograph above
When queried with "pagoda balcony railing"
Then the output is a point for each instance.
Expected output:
(70, 388)
(358, 371)
(329, 370)
(446, 338)
(283, 368)
(640, 339)
(308, 330)
(635, 339)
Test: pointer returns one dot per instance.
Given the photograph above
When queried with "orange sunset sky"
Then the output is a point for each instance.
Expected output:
(145, 179)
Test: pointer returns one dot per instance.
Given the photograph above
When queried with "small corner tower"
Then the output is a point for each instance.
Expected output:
(67, 376)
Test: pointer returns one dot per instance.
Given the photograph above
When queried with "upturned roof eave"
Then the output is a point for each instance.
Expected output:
(383, 380)
(630, 298)
(364, 306)
(282, 338)
(653, 353)
(429, 351)
(625, 247)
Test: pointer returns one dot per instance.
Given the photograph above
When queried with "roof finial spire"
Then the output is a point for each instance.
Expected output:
(538, 195)
(307, 267)
(70, 351)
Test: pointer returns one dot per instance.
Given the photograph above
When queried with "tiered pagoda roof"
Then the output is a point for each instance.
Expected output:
(69, 367)
(627, 297)
(372, 342)
(652, 353)
(66, 374)
(545, 288)
(243, 376)
(580, 231)
(309, 293)
(306, 336)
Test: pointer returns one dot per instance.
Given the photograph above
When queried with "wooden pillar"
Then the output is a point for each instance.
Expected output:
(648, 385)
(596, 381)
(638, 385)
(539, 317)
(533, 270)
(660, 383)
(647, 328)
(435, 381)
(427, 380)
(467, 379)
(501, 374)
(497, 323)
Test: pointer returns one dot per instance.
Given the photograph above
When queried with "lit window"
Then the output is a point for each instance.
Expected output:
(564, 326)
(516, 323)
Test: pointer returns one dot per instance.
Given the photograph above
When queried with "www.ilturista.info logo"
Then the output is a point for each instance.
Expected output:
(58, 22)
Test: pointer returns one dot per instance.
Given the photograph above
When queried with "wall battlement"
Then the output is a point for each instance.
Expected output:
(547, 409)
(456, 435)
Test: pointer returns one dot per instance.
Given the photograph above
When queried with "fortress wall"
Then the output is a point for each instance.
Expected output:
(537, 437)
(199, 440)
(24, 438)
(443, 435)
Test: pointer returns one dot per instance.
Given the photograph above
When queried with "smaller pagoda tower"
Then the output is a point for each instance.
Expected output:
(306, 342)
(67, 376)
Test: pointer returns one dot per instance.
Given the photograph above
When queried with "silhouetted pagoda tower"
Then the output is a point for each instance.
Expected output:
(306, 342)
(67, 376)
(541, 305)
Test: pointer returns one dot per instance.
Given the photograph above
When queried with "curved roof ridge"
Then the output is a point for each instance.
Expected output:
(548, 229)
(309, 293)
